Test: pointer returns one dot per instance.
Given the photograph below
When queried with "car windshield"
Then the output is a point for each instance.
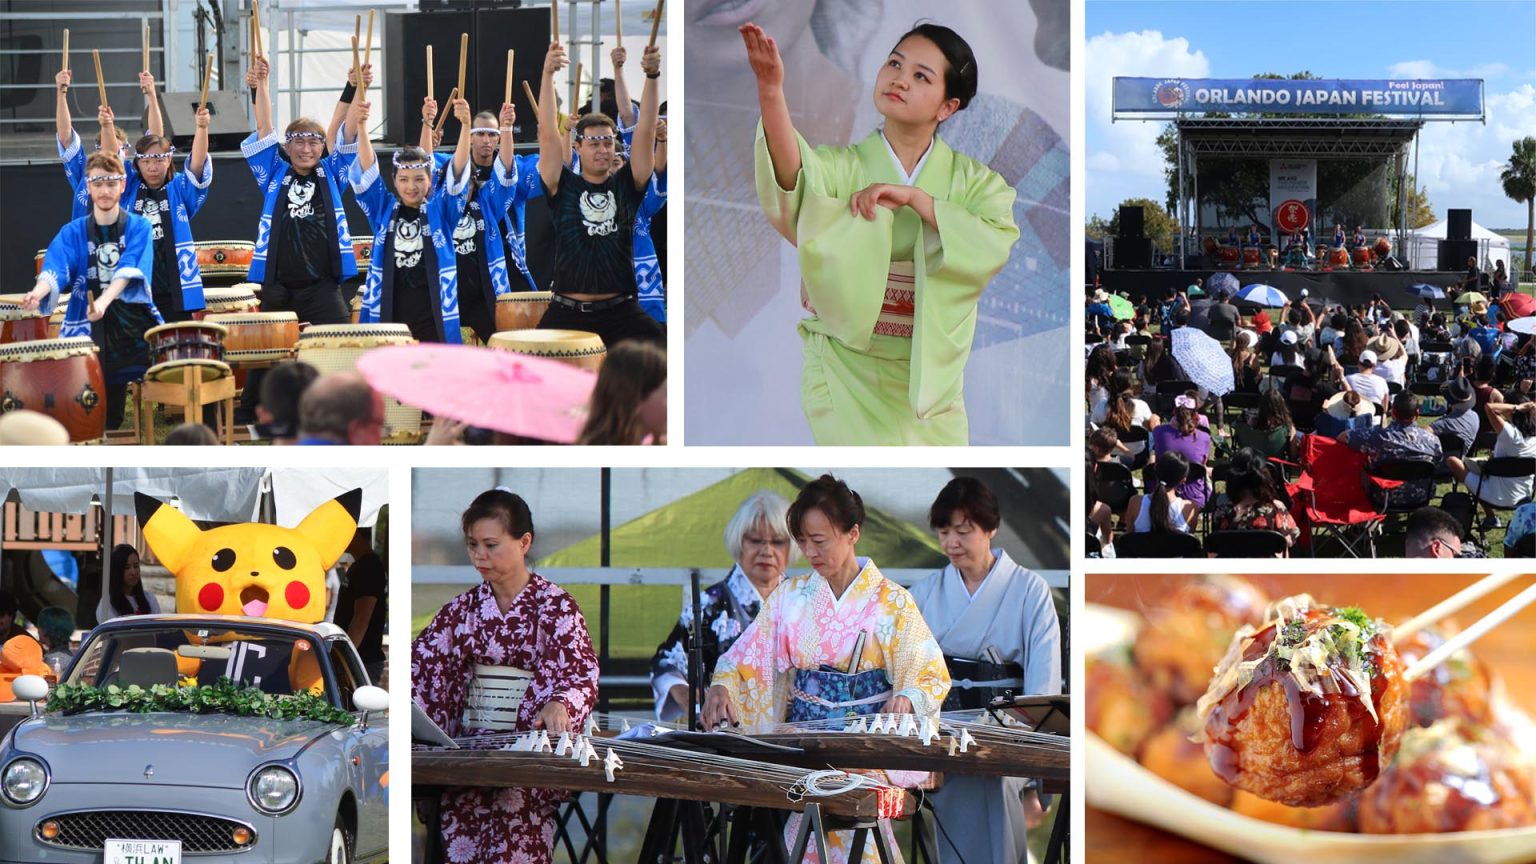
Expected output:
(278, 664)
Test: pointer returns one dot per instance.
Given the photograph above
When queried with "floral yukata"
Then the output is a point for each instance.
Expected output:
(543, 631)
(802, 628)
(729, 607)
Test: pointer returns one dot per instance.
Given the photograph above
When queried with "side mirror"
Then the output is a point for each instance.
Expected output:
(368, 699)
(30, 688)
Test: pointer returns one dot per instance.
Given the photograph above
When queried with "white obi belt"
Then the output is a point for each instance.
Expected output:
(495, 693)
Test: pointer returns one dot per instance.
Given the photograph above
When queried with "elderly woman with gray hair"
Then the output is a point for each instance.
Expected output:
(757, 538)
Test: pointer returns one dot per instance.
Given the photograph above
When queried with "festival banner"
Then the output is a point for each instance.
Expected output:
(1427, 97)
(1292, 196)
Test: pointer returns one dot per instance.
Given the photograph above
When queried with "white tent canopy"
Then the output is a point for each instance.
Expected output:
(206, 494)
(1423, 246)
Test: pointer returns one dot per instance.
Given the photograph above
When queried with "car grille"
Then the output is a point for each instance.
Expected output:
(197, 833)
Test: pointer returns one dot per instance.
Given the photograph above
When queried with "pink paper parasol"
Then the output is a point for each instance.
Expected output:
(512, 393)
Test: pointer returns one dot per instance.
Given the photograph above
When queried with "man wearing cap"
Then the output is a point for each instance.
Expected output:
(1401, 439)
(1367, 382)
(1461, 415)
(1391, 359)
(1099, 315)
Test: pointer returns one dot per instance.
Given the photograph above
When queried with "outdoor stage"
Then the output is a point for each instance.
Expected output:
(1347, 287)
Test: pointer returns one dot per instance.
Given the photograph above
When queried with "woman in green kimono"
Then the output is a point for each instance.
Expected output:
(897, 236)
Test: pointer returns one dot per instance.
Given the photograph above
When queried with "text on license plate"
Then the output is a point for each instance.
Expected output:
(143, 852)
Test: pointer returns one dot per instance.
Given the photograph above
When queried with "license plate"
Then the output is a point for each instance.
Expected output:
(143, 852)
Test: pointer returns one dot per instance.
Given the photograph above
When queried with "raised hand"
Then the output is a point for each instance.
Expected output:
(650, 61)
(763, 55)
(461, 111)
(508, 116)
(618, 56)
(555, 59)
(203, 117)
(146, 83)
(259, 71)
(104, 115)
(367, 75)
(357, 116)
(429, 109)
(62, 78)
(437, 138)
(661, 131)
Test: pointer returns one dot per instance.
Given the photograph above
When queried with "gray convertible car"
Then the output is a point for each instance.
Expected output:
(103, 784)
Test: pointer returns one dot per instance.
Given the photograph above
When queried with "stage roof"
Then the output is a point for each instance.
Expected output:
(1311, 139)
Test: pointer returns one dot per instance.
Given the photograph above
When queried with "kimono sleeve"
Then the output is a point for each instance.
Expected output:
(655, 197)
(1042, 642)
(914, 661)
(371, 195)
(669, 667)
(73, 158)
(453, 196)
(440, 669)
(825, 183)
(339, 161)
(59, 264)
(976, 228)
(264, 156)
(504, 189)
(753, 671)
(137, 261)
(194, 189)
(529, 185)
(570, 663)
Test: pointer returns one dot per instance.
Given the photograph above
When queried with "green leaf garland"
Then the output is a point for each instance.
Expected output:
(221, 697)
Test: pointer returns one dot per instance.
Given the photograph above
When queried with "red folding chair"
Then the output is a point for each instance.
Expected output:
(1331, 498)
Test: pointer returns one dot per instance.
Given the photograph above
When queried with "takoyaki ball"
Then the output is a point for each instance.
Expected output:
(1171, 755)
(1308, 708)
(1338, 816)
(1122, 708)
(1186, 635)
(1448, 777)
(1459, 688)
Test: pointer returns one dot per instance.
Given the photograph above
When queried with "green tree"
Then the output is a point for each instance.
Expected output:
(1519, 179)
(1097, 228)
(1158, 222)
(1420, 213)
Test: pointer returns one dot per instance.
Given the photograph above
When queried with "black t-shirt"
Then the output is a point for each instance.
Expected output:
(155, 206)
(120, 333)
(414, 304)
(594, 233)
(1474, 278)
(469, 246)
(365, 578)
(303, 250)
(1223, 317)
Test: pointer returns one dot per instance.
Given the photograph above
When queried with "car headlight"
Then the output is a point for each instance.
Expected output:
(273, 789)
(24, 781)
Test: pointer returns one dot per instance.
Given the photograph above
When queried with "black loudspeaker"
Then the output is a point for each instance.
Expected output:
(1131, 222)
(1458, 224)
(1133, 253)
(1454, 253)
(491, 33)
(227, 121)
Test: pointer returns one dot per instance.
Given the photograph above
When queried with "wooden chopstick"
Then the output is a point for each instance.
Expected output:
(1451, 605)
(1471, 634)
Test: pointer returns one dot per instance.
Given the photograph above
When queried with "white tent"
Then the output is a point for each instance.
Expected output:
(1423, 246)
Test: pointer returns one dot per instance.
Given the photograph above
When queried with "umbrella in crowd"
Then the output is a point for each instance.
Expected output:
(1518, 305)
(1121, 307)
(1526, 325)
(1470, 298)
(513, 393)
(1263, 295)
(1222, 281)
(1203, 360)
(1432, 292)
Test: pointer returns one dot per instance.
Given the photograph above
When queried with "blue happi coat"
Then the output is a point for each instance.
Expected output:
(68, 259)
(528, 186)
(184, 192)
(442, 210)
(270, 167)
(494, 199)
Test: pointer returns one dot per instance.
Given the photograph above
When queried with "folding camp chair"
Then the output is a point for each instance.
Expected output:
(1246, 543)
(1115, 486)
(1158, 544)
(1512, 467)
(1331, 500)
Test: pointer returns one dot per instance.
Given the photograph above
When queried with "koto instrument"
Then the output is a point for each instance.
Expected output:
(235, 298)
(257, 337)
(187, 340)
(337, 347)
(576, 347)
(58, 377)
(225, 258)
(21, 325)
(521, 310)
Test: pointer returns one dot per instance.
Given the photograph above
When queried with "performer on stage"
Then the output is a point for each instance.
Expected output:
(653, 293)
(1253, 236)
(477, 238)
(514, 623)
(757, 538)
(1338, 236)
(73, 155)
(168, 201)
(997, 623)
(594, 212)
(897, 236)
(105, 260)
(1358, 238)
(839, 640)
(303, 227)
(412, 273)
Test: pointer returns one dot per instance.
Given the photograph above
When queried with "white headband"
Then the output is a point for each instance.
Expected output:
(410, 166)
(106, 178)
(488, 129)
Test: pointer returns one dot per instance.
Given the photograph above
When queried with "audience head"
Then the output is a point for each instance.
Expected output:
(55, 627)
(281, 390)
(341, 408)
(629, 399)
(192, 433)
(1103, 442)
(1249, 477)
(1170, 470)
(1432, 533)
(1186, 415)
(1405, 407)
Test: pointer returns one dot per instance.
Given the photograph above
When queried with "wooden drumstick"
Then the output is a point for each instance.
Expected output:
(508, 98)
(532, 101)
(463, 58)
(656, 22)
(554, 19)
(256, 16)
(146, 46)
(207, 73)
(65, 58)
(430, 91)
(368, 45)
(442, 116)
(101, 86)
(357, 68)
(618, 23)
(576, 90)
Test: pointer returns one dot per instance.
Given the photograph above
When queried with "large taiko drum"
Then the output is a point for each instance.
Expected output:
(1227, 255)
(225, 261)
(577, 347)
(363, 251)
(257, 337)
(21, 325)
(521, 310)
(186, 340)
(1383, 248)
(41, 254)
(1252, 258)
(56, 320)
(1338, 259)
(234, 298)
(337, 347)
(1361, 257)
(58, 377)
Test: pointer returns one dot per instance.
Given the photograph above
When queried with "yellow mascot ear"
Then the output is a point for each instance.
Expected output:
(167, 531)
(331, 525)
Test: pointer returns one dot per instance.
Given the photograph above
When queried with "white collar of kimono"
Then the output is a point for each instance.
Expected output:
(741, 587)
(901, 171)
(1000, 558)
(866, 565)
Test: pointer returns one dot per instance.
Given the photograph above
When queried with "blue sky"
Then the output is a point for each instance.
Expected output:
(1230, 39)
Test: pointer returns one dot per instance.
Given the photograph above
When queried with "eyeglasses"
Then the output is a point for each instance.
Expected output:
(776, 542)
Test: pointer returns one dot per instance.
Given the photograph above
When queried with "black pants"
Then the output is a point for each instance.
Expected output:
(613, 325)
(317, 302)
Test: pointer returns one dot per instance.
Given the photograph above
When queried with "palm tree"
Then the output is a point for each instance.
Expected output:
(1519, 179)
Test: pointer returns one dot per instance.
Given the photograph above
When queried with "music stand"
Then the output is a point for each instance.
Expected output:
(1048, 714)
